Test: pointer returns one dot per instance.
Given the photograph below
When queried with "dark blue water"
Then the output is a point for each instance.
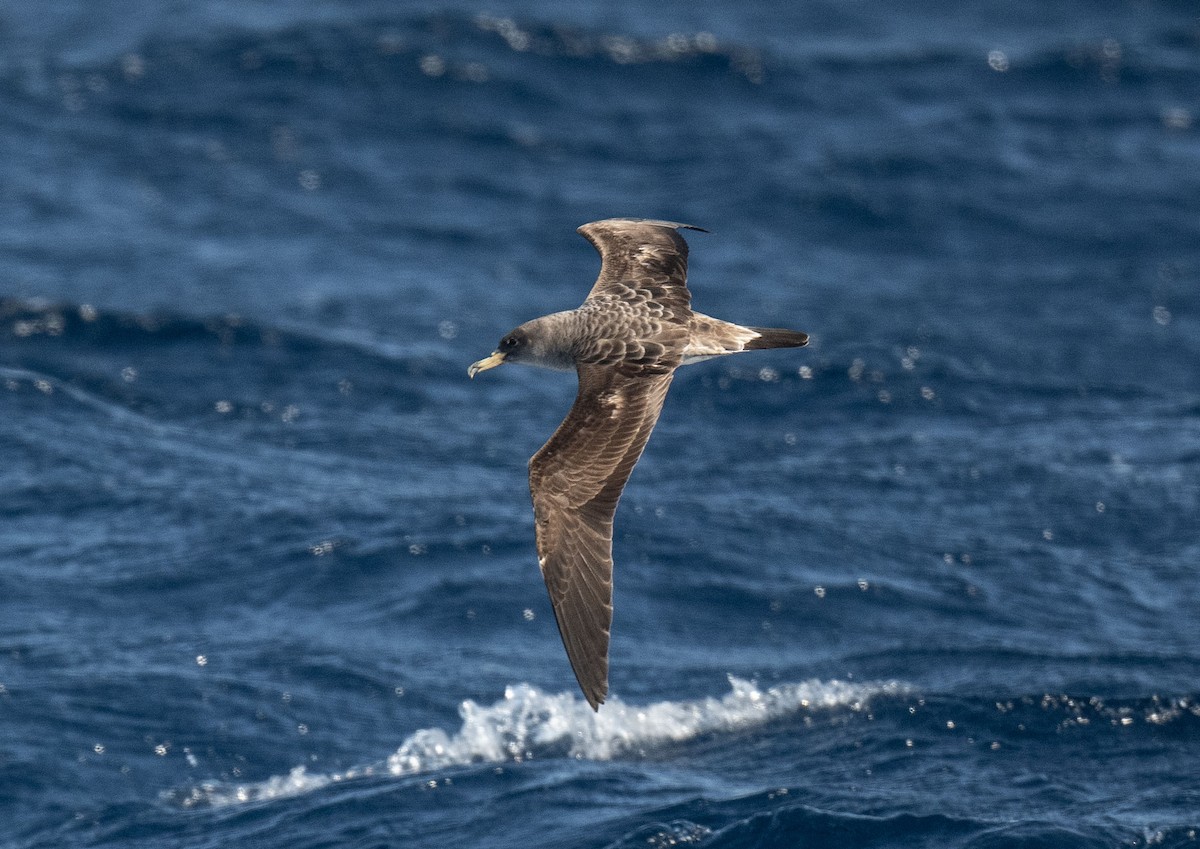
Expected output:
(267, 574)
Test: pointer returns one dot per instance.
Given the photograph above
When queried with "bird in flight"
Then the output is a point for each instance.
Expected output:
(625, 341)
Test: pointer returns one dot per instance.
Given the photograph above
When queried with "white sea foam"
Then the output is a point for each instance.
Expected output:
(528, 724)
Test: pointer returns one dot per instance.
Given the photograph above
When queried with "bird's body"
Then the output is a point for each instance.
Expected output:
(625, 342)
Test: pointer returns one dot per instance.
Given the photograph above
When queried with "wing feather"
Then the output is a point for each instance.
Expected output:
(642, 261)
(576, 480)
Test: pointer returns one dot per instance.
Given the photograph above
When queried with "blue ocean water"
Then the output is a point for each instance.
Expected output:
(267, 574)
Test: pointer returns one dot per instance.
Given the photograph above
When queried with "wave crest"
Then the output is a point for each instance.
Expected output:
(528, 723)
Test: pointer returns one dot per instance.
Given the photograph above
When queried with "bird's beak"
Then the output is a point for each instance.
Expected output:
(485, 364)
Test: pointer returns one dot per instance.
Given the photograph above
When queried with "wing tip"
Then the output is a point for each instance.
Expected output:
(596, 693)
(595, 689)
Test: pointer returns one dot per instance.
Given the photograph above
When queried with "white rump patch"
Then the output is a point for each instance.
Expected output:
(711, 337)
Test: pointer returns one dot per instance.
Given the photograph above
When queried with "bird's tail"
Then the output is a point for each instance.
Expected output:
(775, 337)
(710, 337)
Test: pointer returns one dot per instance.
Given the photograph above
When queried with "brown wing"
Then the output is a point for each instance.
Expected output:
(576, 480)
(642, 261)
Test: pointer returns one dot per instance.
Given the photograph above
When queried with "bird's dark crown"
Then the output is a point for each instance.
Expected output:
(512, 341)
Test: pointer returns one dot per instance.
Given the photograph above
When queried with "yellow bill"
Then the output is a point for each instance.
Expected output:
(486, 363)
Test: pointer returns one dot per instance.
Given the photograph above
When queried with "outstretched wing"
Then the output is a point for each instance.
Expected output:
(576, 480)
(642, 261)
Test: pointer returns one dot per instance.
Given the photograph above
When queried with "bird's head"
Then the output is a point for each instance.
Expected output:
(510, 349)
(546, 342)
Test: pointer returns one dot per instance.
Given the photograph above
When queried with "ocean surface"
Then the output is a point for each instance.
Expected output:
(267, 573)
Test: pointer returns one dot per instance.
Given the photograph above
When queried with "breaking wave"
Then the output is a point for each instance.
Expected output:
(528, 723)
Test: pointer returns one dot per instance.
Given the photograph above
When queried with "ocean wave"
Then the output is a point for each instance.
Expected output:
(30, 319)
(528, 724)
(25, 320)
(444, 46)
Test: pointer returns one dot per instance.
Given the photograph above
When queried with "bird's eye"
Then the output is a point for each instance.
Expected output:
(508, 343)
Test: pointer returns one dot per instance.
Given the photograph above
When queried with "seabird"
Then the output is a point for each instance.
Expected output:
(625, 341)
